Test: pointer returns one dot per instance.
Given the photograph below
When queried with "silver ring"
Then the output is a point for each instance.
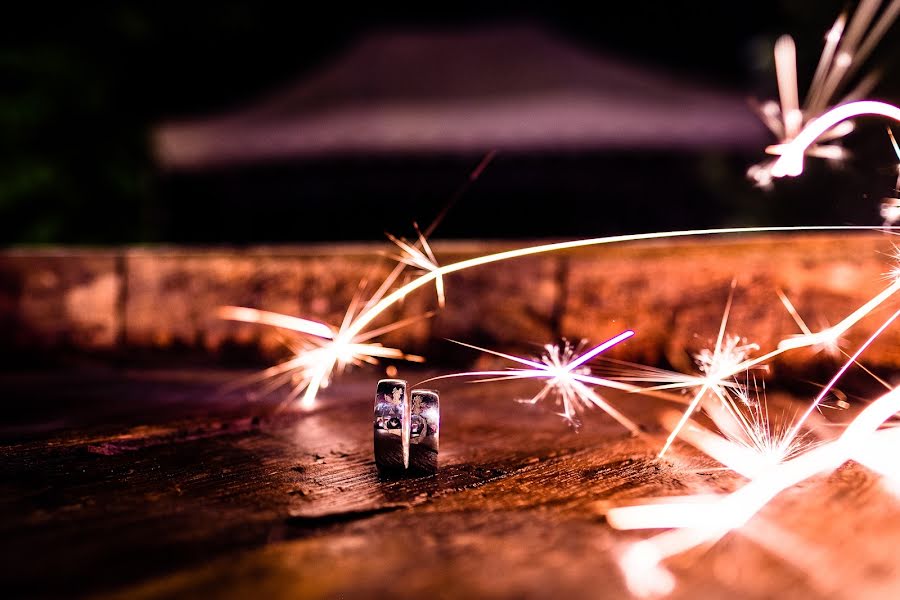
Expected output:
(392, 417)
(407, 430)
(425, 428)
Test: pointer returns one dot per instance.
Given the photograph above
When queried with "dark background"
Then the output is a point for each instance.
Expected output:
(81, 86)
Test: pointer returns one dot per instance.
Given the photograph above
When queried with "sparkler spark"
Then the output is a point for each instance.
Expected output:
(421, 259)
(719, 368)
(749, 441)
(699, 520)
(729, 358)
(566, 376)
(894, 142)
(847, 46)
(322, 350)
(790, 163)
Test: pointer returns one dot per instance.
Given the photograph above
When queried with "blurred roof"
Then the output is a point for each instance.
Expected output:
(513, 88)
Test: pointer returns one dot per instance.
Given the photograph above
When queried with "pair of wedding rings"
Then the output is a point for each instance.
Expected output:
(407, 428)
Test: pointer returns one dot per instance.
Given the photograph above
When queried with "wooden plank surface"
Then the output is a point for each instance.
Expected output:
(143, 484)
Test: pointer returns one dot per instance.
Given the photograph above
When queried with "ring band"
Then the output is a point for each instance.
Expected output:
(392, 418)
(425, 427)
(406, 428)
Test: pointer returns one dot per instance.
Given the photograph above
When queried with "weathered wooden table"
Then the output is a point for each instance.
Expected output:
(154, 484)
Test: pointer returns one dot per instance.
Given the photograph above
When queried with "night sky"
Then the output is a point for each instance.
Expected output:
(82, 86)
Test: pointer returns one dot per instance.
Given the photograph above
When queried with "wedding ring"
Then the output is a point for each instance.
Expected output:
(392, 420)
(425, 427)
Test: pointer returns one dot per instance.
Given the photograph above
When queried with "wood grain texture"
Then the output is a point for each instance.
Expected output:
(157, 485)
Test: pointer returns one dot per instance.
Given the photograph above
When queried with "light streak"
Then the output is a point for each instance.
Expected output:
(829, 335)
(786, 69)
(790, 163)
(831, 341)
(719, 368)
(364, 319)
(265, 317)
(894, 142)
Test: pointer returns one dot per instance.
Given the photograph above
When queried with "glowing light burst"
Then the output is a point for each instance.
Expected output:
(893, 274)
(321, 352)
(847, 45)
(719, 368)
(790, 163)
(724, 398)
(702, 520)
(695, 521)
(747, 440)
(566, 375)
